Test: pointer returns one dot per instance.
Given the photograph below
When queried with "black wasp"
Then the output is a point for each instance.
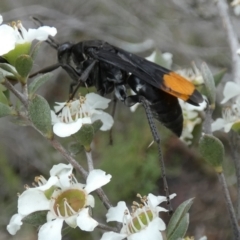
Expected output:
(109, 68)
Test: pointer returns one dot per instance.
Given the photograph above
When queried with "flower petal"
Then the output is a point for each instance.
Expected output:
(32, 200)
(96, 101)
(150, 232)
(218, 124)
(62, 171)
(67, 129)
(15, 223)
(51, 230)
(71, 221)
(96, 179)
(51, 181)
(7, 43)
(113, 236)
(85, 222)
(230, 90)
(106, 119)
(116, 213)
(228, 126)
(156, 200)
(41, 33)
(90, 201)
(1, 19)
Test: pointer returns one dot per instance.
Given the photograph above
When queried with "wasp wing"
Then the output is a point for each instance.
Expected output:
(150, 72)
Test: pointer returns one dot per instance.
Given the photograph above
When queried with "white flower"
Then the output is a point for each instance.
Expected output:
(157, 56)
(74, 114)
(230, 91)
(64, 198)
(236, 6)
(190, 119)
(231, 113)
(15, 35)
(143, 223)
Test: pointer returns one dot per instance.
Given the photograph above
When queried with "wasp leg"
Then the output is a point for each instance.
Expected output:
(83, 78)
(46, 70)
(157, 140)
(114, 107)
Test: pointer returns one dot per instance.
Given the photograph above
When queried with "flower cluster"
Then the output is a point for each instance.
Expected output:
(69, 117)
(15, 39)
(230, 114)
(191, 114)
(191, 118)
(63, 197)
(236, 6)
(142, 223)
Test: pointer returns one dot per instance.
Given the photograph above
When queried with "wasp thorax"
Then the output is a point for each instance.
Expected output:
(69, 202)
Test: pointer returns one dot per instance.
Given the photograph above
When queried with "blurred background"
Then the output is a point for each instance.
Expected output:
(189, 29)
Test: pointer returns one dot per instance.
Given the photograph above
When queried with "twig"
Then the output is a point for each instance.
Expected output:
(207, 124)
(232, 38)
(233, 219)
(19, 95)
(68, 157)
(89, 160)
(107, 228)
(103, 197)
(234, 143)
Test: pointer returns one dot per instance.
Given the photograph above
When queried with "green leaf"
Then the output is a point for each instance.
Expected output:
(210, 85)
(75, 148)
(24, 65)
(212, 150)
(219, 76)
(85, 135)
(38, 82)
(97, 125)
(5, 110)
(36, 218)
(3, 98)
(179, 221)
(181, 228)
(39, 113)
(8, 69)
(2, 78)
(35, 50)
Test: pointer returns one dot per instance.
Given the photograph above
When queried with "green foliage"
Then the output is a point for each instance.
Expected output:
(35, 50)
(5, 110)
(219, 76)
(38, 82)
(97, 125)
(85, 135)
(24, 65)
(209, 85)
(39, 113)
(75, 148)
(212, 150)
(36, 218)
(179, 221)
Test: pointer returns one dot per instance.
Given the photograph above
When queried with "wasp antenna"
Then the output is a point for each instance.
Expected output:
(37, 21)
(52, 43)
(157, 140)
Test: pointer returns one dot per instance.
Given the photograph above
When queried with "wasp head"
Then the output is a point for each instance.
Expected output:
(64, 52)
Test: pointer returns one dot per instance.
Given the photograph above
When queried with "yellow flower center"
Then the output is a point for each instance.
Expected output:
(69, 202)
